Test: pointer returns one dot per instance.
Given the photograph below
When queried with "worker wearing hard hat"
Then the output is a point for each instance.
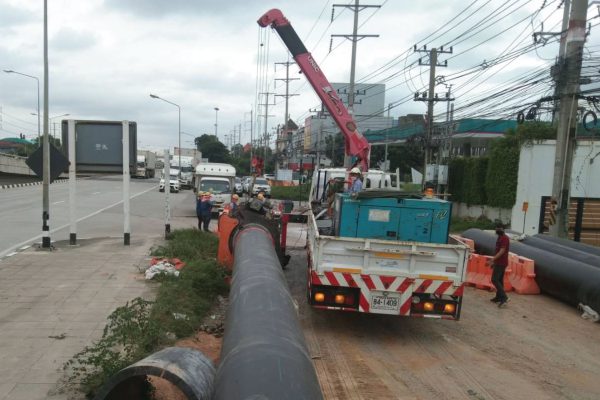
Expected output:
(355, 181)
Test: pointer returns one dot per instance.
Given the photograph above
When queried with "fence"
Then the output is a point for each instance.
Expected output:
(584, 219)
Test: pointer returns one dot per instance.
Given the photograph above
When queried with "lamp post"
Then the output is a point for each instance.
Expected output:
(53, 124)
(216, 120)
(10, 71)
(179, 125)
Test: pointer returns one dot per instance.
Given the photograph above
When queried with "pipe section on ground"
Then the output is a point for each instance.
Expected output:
(586, 248)
(264, 354)
(562, 250)
(188, 369)
(566, 279)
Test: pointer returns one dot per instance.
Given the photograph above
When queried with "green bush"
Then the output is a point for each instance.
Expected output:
(467, 180)
(459, 225)
(142, 327)
(297, 193)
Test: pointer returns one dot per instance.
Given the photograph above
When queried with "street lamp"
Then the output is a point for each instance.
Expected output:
(179, 125)
(216, 120)
(10, 71)
(54, 124)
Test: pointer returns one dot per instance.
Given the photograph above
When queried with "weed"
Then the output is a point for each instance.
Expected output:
(142, 327)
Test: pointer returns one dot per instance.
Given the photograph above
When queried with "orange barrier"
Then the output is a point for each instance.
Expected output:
(467, 242)
(225, 227)
(522, 276)
(479, 273)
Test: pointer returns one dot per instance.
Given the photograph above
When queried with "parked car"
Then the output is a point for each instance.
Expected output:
(238, 187)
(269, 177)
(261, 185)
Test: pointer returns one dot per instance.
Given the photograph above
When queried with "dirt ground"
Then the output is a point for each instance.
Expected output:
(536, 348)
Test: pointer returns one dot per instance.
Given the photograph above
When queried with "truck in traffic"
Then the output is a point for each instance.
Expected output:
(379, 250)
(218, 179)
(185, 170)
(146, 164)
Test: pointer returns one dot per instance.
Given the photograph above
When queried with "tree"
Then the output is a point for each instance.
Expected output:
(212, 148)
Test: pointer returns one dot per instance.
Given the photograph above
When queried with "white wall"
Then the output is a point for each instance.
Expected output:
(462, 210)
(536, 170)
(14, 165)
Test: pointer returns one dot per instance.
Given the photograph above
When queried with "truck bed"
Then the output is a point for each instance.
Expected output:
(414, 260)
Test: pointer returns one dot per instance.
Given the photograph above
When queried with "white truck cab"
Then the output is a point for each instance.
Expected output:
(218, 179)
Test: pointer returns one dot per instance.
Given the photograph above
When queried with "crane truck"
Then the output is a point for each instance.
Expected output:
(381, 250)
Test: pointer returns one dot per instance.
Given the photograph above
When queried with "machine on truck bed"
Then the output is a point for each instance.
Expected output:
(380, 250)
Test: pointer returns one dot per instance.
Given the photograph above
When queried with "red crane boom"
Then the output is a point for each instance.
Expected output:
(355, 144)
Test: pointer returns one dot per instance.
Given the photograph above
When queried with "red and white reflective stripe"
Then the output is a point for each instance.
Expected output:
(438, 287)
(366, 284)
(402, 285)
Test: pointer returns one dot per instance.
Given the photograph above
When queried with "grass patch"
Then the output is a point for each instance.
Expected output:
(142, 327)
(298, 193)
(459, 225)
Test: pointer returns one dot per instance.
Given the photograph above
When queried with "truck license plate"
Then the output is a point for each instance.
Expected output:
(390, 302)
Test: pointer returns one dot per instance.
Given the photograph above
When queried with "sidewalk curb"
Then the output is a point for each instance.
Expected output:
(16, 185)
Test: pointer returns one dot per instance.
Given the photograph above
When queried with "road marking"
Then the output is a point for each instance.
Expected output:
(96, 193)
(58, 202)
(9, 252)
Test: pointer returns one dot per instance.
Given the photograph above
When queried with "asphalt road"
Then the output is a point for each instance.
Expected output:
(99, 211)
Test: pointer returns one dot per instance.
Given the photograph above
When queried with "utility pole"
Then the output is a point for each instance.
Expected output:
(569, 72)
(355, 37)
(287, 95)
(541, 37)
(46, 146)
(266, 115)
(430, 97)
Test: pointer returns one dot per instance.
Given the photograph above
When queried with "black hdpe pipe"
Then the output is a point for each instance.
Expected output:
(568, 280)
(264, 355)
(586, 248)
(188, 369)
(562, 250)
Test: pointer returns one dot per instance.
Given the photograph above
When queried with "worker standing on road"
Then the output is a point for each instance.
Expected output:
(499, 262)
(203, 210)
(233, 206)
(355, 181)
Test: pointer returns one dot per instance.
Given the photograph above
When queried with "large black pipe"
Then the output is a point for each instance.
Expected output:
(562, 250)
(586, 248)
(568, 280)
(188, 369)
(264, 355)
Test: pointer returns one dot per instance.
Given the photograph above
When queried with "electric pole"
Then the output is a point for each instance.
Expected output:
(266, 115)
(354, 37)
(430, 97)
(569, 71)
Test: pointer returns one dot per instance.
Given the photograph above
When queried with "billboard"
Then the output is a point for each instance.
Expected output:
(99, 145)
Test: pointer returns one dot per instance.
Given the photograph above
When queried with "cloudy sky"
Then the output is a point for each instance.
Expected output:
(107, 56)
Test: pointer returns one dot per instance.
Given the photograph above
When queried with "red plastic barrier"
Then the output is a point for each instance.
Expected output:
(467, 242)
(522, 276)
(479, 273)
(224, 229)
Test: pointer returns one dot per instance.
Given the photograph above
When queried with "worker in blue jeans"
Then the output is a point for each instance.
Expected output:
(499, 262)
(204, 210)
